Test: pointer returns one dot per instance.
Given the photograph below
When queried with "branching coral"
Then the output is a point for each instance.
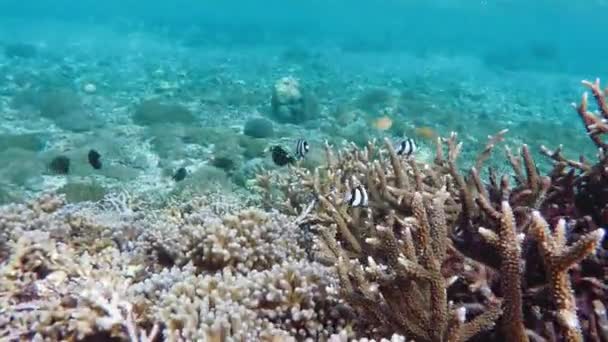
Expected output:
(289, 299)
(245, 240)
(428, 226)
(50, 292)
(92, 271)
(558, 259)
(439, 254)
(391, 256)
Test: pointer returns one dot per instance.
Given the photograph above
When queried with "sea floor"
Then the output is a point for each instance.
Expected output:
(132, 248)
(68, 93)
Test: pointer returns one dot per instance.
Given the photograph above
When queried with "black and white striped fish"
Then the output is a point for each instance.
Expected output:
(357, 197)
(301, 148)
(406, 147)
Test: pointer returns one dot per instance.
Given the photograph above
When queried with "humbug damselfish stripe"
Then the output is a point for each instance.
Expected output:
(406, 147)
(301, 148)
(358, 197)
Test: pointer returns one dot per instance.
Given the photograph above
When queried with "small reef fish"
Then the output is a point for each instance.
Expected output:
(281, 157)
(95, 159)
(406, 147)
(426, 132)
(383, 123)
(180, 174)
(357, 197)
(60, 165)
(302, 148)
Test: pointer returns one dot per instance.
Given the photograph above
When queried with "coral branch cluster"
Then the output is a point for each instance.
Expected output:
(179, 273)
(436, 253)
(430, 229)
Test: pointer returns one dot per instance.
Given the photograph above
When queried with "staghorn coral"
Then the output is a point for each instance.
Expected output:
(392, 257)
(384, 251)
(281, 191)
(557, 260)
(580, 182)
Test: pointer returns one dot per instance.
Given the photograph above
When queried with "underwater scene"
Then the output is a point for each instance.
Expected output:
(319, 170)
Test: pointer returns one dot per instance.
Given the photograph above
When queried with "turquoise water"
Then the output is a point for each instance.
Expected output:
(160, 86)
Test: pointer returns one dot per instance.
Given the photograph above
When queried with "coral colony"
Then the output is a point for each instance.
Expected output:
(374, 244)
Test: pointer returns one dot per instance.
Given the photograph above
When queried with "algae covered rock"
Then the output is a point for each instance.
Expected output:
(166, 140)
(25, 98)
(76, 192)
(377, 98)
(205, 136)
(202, 180)
(56, 103)
(20, 166)
(28, 141)
(225, 161)
(60, 165)
(65, 108)
(259, 128)
(252, 147)
(154, 111)
(291, 103)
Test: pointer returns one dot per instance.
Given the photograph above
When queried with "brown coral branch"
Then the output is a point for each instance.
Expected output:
(401, 178)
(341, 224)
(590, 121)
(531, 171)
(558, 157)
(468, 204)
(599, 95)
(487, 151)
(511, 274)
(557, 260)
(602, 319)
(516, 166)
(480, 323)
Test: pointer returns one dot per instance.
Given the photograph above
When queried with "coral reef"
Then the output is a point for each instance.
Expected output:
(440, 254)
(207, 270)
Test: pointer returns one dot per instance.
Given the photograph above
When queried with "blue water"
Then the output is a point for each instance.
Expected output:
(570, 30)
(473, 67)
